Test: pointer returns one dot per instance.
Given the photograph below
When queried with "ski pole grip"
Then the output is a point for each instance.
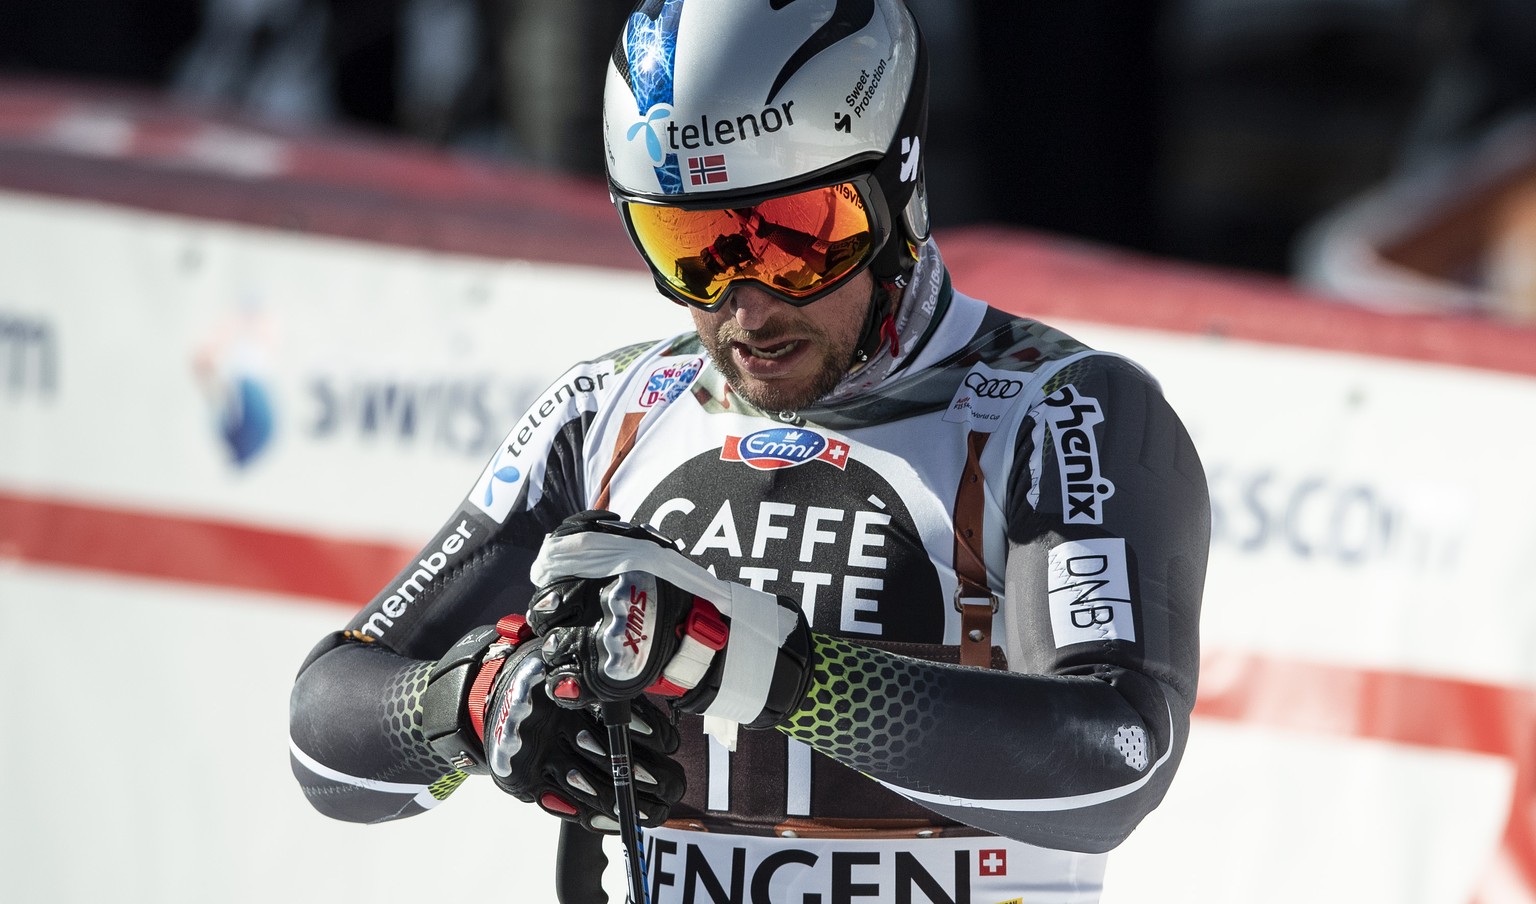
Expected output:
(579, 865)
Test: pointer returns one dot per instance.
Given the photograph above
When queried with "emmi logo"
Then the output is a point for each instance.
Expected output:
(784, 447)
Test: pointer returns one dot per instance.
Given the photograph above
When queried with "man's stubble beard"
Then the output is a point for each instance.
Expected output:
(833, 364)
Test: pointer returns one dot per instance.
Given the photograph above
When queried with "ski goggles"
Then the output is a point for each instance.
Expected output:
(797, 245)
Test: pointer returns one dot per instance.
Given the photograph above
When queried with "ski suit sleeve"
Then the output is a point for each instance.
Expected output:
(1108, 534)
(357, 709)
(356, 734)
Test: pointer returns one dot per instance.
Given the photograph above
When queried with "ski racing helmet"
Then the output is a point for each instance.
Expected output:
(778, 141)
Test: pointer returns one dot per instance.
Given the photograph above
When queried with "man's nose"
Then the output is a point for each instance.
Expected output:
(752, 307)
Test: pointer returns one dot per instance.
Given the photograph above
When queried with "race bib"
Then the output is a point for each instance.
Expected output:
(706, 868)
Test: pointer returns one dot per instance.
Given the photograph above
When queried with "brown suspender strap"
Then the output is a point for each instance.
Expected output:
(973, 599)
(629, 428)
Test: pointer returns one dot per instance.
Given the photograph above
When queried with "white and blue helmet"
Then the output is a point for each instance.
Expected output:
(714, 102)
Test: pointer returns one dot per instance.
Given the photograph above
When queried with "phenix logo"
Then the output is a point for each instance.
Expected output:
(1072, 419)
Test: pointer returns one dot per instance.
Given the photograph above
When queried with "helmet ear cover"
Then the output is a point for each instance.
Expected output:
(902, 168)
(899, 174)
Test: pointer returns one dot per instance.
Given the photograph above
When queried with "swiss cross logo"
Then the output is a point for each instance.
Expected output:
(993, 863)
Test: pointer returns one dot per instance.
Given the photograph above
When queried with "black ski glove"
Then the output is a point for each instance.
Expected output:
(555, 756)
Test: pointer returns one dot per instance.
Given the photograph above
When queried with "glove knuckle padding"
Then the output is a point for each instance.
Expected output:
(562, 604)
(635, 636)
(517, 712)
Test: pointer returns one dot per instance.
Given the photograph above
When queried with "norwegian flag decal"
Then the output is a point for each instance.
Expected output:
(707, 170)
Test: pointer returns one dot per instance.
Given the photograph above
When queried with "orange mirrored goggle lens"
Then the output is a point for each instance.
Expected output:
(799, 244)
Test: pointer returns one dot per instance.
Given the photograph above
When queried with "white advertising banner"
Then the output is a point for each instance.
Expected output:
(1369, 678)
(1365, 730)
(320, 384)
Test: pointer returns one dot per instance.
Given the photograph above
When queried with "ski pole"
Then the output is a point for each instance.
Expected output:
(616, 719)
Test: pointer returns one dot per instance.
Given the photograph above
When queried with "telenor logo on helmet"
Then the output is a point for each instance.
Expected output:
(646, 130)
(784, 447)
(662, 133)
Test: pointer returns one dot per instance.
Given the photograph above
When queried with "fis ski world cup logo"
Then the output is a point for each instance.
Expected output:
(669, 381)
(784, 447)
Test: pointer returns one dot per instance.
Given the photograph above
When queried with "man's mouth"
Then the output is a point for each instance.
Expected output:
(769, 352)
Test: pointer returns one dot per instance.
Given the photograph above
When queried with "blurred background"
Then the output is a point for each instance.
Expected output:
(276, 275)
(1225, 132)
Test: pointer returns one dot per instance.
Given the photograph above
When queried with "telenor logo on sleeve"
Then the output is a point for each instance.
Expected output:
(524, 449)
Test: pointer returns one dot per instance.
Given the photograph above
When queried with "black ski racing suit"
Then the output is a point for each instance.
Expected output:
(999, 477)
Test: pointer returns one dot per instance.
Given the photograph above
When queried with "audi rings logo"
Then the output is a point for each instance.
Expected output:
(984, 397)
(991, 387)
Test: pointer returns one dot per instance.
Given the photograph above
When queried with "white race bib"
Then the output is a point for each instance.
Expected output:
(709, 868)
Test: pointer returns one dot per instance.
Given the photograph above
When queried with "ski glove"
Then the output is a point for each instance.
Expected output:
(623, 613)
(556, 757)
